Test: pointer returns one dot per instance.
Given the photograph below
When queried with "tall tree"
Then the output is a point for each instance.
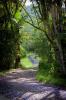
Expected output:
(51, 14)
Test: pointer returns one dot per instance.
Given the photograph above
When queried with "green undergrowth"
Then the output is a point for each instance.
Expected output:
(3, 73)
(26, 63)
(45, 76)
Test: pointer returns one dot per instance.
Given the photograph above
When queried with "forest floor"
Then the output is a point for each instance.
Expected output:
(21, 85)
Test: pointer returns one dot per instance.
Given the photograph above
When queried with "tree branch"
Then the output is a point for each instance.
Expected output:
(40, 30)
(27, 13)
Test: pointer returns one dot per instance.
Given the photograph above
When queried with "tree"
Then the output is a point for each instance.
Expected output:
(9, 33)
(52, 17)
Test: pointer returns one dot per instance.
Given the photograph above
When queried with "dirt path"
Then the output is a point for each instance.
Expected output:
(21, 85)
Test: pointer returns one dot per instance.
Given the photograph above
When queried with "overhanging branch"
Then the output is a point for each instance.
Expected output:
(40, 30)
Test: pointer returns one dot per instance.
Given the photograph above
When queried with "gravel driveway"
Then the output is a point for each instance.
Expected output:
(21, 85)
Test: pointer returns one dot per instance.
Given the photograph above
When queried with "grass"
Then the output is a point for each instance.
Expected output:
(47, 76)
(3, 73)
(50, 79)
(26, 63)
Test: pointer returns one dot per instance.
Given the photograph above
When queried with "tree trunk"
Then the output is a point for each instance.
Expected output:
(57, 41)
(59, 57)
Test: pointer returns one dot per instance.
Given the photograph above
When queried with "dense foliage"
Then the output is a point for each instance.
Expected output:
(52, 13)
(9, 33)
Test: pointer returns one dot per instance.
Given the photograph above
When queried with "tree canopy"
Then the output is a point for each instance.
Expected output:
(49, 19)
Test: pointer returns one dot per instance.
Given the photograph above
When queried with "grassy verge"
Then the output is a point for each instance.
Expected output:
(26, 63)
(46, 74)
(3, 73)
(47, 78)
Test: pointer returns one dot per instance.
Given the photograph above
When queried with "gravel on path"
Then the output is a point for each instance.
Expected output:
(21, 85)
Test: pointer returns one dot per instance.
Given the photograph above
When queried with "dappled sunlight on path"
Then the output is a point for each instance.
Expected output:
(21, 85)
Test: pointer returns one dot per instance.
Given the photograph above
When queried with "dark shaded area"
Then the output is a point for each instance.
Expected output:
(7, 49)
(9, 34)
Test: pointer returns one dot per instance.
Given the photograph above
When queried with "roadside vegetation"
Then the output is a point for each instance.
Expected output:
(26, 63)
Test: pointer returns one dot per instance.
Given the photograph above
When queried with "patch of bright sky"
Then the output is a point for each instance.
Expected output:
(63, 6)
(28, 3)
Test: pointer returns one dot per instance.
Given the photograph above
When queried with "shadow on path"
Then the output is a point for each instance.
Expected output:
(22, 85)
